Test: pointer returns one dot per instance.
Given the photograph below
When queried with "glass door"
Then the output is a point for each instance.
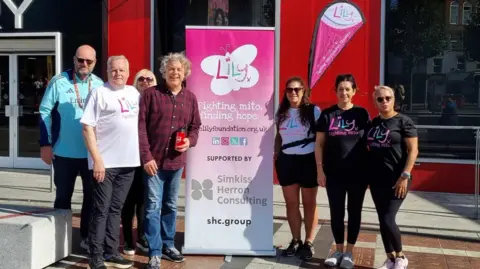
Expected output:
(6, 124)
(32, 74)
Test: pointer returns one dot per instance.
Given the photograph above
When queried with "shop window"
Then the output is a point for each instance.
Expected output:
(440, 82)
(461, 63)
(56, 16)
(454, 10)
(456, 42)
(466, 13)
(171, 17)
(231, 13)
(437, 65)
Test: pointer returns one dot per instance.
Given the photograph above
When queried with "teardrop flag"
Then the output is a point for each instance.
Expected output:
(336, 25)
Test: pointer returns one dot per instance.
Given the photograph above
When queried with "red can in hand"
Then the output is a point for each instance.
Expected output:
(180, 136)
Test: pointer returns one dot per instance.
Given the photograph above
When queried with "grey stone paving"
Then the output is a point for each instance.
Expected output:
(422, 213)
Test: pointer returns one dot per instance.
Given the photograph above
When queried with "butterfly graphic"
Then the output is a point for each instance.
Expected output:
(231, 71)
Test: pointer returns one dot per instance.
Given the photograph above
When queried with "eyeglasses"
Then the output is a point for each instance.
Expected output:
(88, 61)
(386, 98)
(148, 79)
(290, 90)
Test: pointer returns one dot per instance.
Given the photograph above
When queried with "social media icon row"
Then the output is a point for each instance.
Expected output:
(227, 141)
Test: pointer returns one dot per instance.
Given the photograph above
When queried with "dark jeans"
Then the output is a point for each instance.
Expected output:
(161, 208)
(135, 203)
(65, 174)
(108, 199)
(337, 190)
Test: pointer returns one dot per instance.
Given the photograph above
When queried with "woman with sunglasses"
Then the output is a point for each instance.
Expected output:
(295, 163)
(339, 153)
(135, 200)
(392, 143)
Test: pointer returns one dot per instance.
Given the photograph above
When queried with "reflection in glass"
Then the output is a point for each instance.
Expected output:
(34, 73)
(4, 101)
(218, 12)
(433, 54)
(171, 17)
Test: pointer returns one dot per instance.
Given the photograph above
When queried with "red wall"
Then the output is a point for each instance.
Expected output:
(361, 56)
(438, 177)
(129, 32)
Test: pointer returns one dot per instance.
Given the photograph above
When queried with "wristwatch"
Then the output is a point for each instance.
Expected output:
(406, 175)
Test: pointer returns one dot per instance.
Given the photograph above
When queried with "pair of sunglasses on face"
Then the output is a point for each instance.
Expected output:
(290, 89)
(386, 98)
(88, 61)
(148, 79)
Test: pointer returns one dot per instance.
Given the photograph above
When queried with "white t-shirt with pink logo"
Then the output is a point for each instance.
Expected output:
(292, 130)
(114, 114)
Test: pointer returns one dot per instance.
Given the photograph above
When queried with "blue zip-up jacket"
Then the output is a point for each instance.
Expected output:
(60, 114)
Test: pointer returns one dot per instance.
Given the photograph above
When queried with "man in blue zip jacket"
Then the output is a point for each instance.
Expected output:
(61, 139)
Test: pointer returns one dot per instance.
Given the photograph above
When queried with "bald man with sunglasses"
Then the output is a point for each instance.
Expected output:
(61, 140)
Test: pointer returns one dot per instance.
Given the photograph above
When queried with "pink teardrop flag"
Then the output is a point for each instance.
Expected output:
(336, 25)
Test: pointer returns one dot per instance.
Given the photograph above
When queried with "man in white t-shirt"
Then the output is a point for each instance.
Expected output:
(110, 129)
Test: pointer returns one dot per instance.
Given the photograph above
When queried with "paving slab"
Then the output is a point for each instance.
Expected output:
(437, 229)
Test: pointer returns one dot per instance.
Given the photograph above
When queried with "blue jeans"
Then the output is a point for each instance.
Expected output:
(161, 209)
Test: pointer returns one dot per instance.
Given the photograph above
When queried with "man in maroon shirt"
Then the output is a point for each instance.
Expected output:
(164, 111)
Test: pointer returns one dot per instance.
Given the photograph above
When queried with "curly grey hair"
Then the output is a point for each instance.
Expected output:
(180, 57)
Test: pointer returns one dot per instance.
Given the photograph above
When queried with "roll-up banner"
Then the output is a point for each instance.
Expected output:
(229, 174)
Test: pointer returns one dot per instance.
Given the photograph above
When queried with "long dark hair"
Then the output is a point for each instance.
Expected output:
(305, 111)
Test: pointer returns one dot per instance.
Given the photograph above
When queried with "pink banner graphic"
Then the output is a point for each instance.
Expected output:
(229, 175)
(336, 25)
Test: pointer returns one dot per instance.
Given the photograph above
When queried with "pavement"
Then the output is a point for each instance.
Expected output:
(439, 230)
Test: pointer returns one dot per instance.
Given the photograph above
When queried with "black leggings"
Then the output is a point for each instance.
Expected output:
(387, 206)
(134, 204)
(337, 189)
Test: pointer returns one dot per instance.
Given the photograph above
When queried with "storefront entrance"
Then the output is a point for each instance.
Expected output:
(24, 76)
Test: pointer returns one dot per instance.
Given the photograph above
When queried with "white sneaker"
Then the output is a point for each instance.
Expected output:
(335, 259)
(401, 263)
(389, 264)
(347, 261)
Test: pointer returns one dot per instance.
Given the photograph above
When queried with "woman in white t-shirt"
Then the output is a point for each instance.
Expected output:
(295, 163)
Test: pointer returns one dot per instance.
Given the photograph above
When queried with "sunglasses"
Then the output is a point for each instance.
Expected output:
(88, 61)
(386, 98)
(290, 90)
(148, 79)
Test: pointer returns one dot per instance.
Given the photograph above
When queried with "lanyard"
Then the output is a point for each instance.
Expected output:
(79, 98)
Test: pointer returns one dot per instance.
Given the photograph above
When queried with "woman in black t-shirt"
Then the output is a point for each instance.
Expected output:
(392, 150)
(339, 151)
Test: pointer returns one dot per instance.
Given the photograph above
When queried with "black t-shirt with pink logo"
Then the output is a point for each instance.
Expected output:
(344, 149)
(387, 149)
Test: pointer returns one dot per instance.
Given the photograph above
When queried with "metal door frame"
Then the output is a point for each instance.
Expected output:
(13, 110)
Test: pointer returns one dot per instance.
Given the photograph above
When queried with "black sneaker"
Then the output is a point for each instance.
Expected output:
(118, 261)
(142, 244)
(96, 263)
(292, 249)
(172, 254)
(128, 249)
(306, 251)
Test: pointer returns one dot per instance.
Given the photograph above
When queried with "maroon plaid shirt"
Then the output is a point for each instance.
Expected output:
(161, 115)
